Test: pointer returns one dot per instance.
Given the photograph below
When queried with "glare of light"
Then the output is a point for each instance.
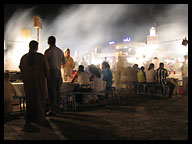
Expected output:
(110, 61)
(131, 59)
(172, 61)
(96, 61)
(180, 59)
(75, 53)
(4, 46)
(139, 51)
(168, 60)
(149, 50)
(181, 49)
(15, 54)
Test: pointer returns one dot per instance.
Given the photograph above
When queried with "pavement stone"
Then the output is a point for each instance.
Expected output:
(137, 118)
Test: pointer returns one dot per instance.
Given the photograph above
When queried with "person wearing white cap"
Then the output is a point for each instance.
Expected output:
(67, 68)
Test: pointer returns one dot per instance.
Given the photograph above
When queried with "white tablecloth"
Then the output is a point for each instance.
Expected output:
(65, 87)
(19, 88)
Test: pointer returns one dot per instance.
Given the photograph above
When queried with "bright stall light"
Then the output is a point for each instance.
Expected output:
(13, 57)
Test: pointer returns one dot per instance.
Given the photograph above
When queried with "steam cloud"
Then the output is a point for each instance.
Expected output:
(84, 27)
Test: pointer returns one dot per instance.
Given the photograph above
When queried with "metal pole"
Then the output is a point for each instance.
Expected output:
(38, 35)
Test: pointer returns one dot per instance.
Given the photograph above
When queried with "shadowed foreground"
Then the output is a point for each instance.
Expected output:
(137, 118)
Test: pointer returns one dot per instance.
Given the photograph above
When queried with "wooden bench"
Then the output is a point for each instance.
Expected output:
(126, 87)
(21, 102)
(157, 89)
(68, 97)
(94, 93)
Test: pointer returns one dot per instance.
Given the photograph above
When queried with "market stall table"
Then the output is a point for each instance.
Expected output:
(19, 88)
(66, 89)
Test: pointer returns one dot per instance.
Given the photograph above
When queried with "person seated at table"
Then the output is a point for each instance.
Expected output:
(83, 83)
(9, 92)
(141, 77)
(161, 77)
(95, 77)
(150, 75)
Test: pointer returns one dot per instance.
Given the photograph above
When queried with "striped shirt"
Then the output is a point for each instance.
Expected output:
(161, 76)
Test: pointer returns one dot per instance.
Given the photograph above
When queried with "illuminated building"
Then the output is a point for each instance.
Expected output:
(152, 38)
(129, 48)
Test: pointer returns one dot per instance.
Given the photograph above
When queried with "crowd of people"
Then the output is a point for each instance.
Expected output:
(159, 76)
(43, 75)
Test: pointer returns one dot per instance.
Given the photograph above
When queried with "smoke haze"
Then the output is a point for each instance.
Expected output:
(84, 27)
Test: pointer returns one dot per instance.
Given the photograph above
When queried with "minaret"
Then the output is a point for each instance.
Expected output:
(152, 31)
(152, 38)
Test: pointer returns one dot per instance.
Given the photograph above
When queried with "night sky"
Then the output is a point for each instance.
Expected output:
(145, 11)
(130, 19)
(139, 15)
(43, 10)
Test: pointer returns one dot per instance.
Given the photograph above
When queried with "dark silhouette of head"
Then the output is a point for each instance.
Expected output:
(151, 66)
(106, 64)
(51, 40)
(81, 68)
(142, 68)
(135, 66)
(161, 65)
(33, 45)
(94, 71)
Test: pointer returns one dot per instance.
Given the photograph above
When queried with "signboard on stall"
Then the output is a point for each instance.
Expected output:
(37, 22)
(128, 39)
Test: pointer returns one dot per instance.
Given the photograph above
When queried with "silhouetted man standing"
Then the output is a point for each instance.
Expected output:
(55, 57)
(34, 71)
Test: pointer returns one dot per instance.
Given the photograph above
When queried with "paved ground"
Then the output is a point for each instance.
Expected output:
(137, 118)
